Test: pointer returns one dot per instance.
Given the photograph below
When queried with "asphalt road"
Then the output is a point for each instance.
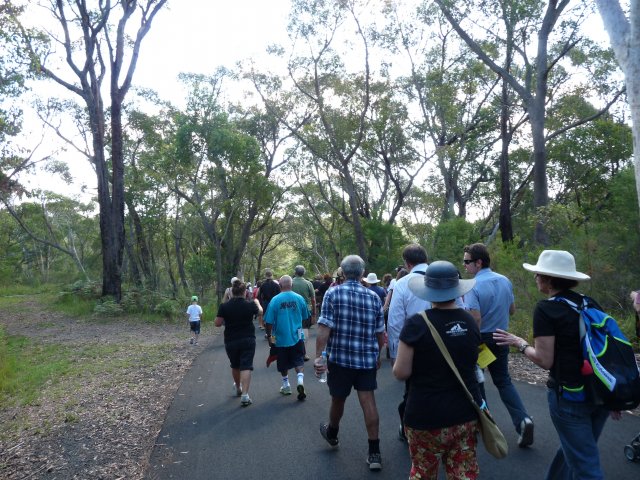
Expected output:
(207, 435)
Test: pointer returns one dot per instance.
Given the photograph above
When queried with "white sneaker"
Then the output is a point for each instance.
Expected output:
(245, 401)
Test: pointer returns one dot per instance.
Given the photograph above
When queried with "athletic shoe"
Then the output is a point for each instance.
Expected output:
(301, 393)
(375, 461)
(191, 341)
(526, 433)
(245, 401)
(237, 390)
(324, 428)
(401, 435)
(285, 390)
(306, 358)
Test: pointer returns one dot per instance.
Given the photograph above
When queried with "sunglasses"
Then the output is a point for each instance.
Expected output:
(467, 261)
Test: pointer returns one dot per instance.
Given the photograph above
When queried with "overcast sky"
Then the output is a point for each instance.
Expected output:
(199, 35)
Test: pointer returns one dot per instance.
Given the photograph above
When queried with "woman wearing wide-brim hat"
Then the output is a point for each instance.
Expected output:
(440, 422)
(557, 348)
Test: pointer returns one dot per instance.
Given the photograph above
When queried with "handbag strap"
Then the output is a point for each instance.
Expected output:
(447, 356)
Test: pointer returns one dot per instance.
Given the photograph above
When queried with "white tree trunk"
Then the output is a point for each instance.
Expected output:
(624, 34)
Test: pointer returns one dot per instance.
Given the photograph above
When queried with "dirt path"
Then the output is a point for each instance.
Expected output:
(98, 422)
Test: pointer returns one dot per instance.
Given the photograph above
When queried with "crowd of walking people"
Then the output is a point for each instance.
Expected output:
(421, 315)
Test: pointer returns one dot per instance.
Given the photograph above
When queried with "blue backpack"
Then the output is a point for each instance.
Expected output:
(609, 361)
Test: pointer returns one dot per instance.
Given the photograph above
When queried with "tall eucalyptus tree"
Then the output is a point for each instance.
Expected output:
(96, 45)
(624, 33)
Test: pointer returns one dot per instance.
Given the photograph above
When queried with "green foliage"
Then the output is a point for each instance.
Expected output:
(168, 309)
(449, 238)
(201, 271)
(108, 307)
(385, 246)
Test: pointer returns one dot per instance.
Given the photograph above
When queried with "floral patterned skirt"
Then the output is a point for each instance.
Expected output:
(455, 446)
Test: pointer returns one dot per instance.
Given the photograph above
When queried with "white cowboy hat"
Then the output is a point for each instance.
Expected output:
(440, 283)
(371, 279)
(556, 263)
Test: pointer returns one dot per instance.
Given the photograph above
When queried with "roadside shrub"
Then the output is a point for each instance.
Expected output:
(168, 308)
(108, 307)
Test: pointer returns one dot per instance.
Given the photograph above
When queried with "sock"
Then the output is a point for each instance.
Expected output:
(300, 378)
(285, 381)
(332, 432)
(374, 446)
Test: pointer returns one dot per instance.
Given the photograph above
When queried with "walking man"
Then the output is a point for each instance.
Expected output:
(304, 287)
(491, 302)
(351, 331)
(268, 290)
(405, 304)
(284, 319)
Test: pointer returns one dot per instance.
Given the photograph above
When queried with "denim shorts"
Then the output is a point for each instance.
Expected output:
(195, 326)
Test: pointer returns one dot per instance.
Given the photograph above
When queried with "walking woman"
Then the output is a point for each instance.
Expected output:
(556, 347)
(239, 337)
(440, 421)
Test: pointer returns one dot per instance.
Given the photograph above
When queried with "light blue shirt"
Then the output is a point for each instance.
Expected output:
(285, 313)
(403, 305)
(492, 296)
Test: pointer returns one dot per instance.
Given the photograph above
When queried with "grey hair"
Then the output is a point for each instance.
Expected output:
(299, 270)
(352, 267)
(285, 282)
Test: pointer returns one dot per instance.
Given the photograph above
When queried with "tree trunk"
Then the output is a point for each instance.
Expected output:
(540, 191)
(506, 227)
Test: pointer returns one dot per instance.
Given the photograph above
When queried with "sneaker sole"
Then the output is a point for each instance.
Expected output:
(301, 393)
(284, 392)
(246, 404)
(375, 466)
(526, 436)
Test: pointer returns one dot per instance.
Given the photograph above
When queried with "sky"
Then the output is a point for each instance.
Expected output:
(196, 36)
(187, 36)
(193, 36)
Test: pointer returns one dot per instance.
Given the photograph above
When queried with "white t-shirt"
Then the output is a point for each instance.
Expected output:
(194, 311)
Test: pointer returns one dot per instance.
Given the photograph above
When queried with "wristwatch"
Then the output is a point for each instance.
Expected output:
(523, 346)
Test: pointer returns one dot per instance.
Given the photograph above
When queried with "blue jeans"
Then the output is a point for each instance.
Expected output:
(579, 425)
(499, 370)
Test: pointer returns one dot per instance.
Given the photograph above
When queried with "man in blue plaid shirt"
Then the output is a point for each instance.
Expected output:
(351, 331)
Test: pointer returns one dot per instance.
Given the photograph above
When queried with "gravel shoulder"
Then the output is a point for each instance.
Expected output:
(102, 423)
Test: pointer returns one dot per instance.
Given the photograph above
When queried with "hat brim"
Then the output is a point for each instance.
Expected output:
(420, 290)
(575, 275)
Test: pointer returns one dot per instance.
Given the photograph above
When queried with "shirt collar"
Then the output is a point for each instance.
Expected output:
(483, 271)
(421, 267)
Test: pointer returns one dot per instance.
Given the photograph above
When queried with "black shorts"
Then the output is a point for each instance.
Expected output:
(290, 357)
(341, 379)
(241, 353)
(195, 326)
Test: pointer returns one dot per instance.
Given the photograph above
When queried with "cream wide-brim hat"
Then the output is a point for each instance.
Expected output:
(556, 263)
(371, 278)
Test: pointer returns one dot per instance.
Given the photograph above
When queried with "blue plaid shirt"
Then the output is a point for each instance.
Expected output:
(354, 315)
